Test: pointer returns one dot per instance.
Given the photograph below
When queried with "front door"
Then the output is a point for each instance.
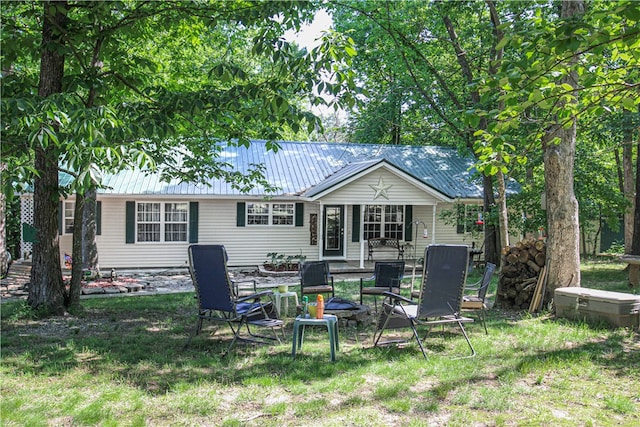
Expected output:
(333, 231)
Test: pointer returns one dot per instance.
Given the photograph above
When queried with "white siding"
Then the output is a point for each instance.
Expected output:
(216, 225)
(248, 245)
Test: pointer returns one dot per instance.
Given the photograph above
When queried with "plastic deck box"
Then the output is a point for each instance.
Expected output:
(616, 308)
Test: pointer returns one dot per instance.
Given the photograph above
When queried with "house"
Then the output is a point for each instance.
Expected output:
(333, 199)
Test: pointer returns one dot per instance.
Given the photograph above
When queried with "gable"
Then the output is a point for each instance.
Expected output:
(375, 182)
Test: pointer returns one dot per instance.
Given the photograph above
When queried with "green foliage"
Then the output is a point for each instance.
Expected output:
(155, 83)
(616, 248)
(539, 53)
(144, 80)
(282, 262)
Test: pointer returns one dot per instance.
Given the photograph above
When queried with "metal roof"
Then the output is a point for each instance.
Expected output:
(298, 167)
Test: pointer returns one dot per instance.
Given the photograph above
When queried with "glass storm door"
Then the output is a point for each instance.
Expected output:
(333, 231)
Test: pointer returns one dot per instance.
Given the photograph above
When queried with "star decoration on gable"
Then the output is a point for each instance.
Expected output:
(380, 189)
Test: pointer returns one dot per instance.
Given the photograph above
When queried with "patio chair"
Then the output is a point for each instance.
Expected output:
(477, 302)
(387, 276)
(315, 278)
(217, 300)
(445, 272)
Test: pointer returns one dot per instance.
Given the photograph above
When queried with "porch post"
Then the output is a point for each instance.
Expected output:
(321, 231)
(433, 223)
(361, 236)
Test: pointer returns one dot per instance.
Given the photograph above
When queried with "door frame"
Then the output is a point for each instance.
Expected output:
(340, 251)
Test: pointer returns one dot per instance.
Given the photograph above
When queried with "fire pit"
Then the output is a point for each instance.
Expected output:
(357, 315)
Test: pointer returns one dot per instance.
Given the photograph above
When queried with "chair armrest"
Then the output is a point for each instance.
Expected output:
(397, 297)
(473, 286)
(236, 284)
(255, 296)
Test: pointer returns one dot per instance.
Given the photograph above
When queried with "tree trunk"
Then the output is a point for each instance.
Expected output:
(73, 298)
(491, 232)
(4, 260)
(89, 244)
(635, 247)
(559, 145)
(46, 291)
(628, 184)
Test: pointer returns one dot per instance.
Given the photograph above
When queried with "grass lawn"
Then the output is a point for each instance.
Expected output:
(120, 362)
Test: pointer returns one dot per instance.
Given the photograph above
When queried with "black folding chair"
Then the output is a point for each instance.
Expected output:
(444, 275)
(387, 276)
(477, 302)
(217, 300)
(315, 278)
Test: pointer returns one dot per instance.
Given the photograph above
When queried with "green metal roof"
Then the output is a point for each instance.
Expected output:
(305, 168)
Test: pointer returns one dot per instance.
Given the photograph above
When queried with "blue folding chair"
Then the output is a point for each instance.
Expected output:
(218, 302)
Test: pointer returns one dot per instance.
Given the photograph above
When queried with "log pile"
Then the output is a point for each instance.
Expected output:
(521, 266)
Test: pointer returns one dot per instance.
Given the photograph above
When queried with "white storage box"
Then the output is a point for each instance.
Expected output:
(615, 308)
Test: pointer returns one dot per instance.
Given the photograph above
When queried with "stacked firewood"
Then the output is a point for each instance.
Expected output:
(521, 266)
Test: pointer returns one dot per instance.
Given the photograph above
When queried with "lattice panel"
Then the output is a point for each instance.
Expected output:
(26, 216)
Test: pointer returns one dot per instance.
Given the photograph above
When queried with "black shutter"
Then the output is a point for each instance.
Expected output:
(130, 218)
(193, 222)
(299, 214)
(355, 224)
(240, 212)
(98, 218)
(408, 219)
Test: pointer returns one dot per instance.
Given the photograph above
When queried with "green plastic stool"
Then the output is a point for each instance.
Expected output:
(329, 320)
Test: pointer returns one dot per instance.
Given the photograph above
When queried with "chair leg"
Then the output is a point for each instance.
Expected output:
(464, 332)
(415, 334)
(195, 332)
(484, 320)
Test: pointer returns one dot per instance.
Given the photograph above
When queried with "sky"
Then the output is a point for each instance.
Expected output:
(308, 35)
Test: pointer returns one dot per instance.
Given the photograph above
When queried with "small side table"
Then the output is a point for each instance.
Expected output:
(329, 320)
(286, 296)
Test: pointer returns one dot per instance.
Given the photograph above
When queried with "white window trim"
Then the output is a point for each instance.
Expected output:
(66, 217)
(270, 214)
(383, 221)
(162, 223)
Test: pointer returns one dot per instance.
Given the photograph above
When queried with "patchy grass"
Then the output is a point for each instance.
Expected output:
(120, 361)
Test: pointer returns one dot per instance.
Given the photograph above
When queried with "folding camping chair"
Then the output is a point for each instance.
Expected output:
(217, 300)
(387, 276)
(315, 278)
(444, 275)
(477, 302)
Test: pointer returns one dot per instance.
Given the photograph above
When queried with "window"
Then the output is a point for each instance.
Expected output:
(384, 221)
(162, 222)
(270, 213)
(470, 219)
(258, 213)
(69, 211)
(175, 219)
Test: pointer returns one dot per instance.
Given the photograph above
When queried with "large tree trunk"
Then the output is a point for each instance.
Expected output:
(563, 243)
(46, 291)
